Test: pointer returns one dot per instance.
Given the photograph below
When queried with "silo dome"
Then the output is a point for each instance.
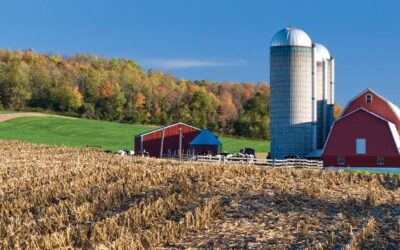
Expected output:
(321, 52)
(291, 37)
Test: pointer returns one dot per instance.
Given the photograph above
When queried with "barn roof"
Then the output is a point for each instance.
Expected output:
(205, 137)
(362, 109)
(393, 107)
(164, 127)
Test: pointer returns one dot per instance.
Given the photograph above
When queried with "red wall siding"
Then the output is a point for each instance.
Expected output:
(378, 106)
(152, 140)
(361, 124)
(361, 161)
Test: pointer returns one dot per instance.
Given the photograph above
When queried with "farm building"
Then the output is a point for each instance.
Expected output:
(168, 139)
(302, 78)
(205, 143)
(366, 135)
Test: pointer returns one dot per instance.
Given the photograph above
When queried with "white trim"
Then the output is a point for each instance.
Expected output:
(164, 127)
(327, 138)
(332, 97)
(356, 97)
(392, 106)
(348, 114)
(366, 110)
(366, 98)
(395, 109)
(395, 135)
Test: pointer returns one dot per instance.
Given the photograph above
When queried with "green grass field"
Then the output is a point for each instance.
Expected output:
(81, 132)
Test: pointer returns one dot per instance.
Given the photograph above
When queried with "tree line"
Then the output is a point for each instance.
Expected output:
(120, 90)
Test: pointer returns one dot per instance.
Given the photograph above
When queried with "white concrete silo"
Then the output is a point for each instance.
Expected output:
(291, 105)
(324, 68)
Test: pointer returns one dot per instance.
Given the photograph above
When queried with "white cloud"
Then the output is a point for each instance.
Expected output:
(190, 63)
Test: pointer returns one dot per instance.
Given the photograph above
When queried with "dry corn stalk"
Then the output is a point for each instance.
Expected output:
(54, 197)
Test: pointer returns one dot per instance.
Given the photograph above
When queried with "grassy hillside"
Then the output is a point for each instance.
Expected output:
(81, 132)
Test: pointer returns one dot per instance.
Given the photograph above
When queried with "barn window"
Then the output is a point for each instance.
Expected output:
(361, 146)
(340, 160)
(380, 161)
(368, 98)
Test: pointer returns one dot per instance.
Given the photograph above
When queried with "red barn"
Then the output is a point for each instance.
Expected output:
(166, 138)
(366, 135)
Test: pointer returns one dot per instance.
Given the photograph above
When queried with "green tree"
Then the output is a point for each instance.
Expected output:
(120, 90)
(203, 109)
(43, 77)
(14, 84)
(254, 118)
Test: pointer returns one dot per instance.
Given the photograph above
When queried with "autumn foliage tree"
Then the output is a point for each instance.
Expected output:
(69, 98)
(337, 111)
(111, 102)
(120, 90)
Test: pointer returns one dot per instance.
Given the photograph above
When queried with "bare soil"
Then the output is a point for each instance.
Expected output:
(6, 117)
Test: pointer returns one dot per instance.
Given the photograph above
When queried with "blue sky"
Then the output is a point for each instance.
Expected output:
(221, 40)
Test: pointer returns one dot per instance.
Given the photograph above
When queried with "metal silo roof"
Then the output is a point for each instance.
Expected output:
(291, 37)
(321, 52)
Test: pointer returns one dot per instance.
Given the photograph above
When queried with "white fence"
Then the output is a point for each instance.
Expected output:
(262, 162)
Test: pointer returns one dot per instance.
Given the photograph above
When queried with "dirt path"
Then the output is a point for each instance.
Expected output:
(6, 117)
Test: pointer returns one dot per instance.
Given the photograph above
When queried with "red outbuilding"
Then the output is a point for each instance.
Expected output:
(166, 139)
(366, 135)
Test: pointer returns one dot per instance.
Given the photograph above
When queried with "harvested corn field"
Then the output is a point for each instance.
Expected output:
(59, 197)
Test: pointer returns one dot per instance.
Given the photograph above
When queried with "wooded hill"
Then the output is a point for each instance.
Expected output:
(120, 90)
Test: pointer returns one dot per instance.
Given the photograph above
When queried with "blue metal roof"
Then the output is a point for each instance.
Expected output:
(205, 137)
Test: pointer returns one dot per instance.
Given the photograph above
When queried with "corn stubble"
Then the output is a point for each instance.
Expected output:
(75, 198)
